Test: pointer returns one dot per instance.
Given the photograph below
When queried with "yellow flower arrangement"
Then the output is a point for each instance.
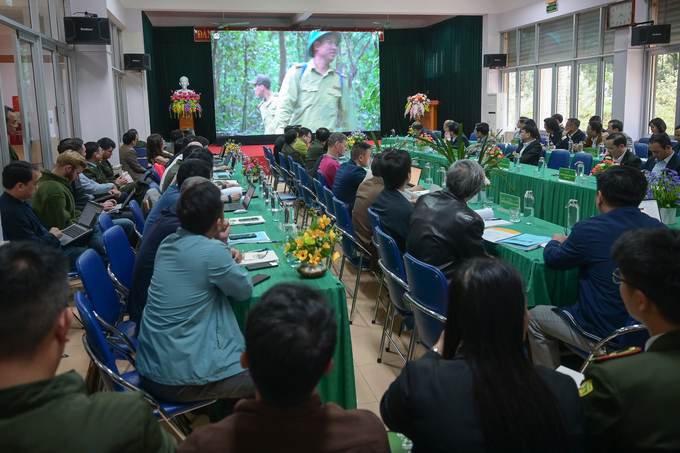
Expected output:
(316, 243)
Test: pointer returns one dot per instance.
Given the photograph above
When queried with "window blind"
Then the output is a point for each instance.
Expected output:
(668, 12)
(527, 45)
(588, 34)
(511, 47)
(556, 40)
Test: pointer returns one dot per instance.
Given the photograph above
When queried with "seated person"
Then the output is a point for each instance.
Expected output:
(520, 126)
(289, 149)
(393, 205)
(76, 187)
(599, 309)
(316, 149)
(443, 230)
(281, 142)
(571, 132)
(94, 155)
(128, 155)
(676, 147)
(419, 130)
(92, 186)
(594, 136)
(617, 126)
(32, 338)
(559, 119)
(303, 141)
(165, 223)
(189, 342)
(107, 145)
(552, 127)
(481, 132)
(616, 145)
(452, 134)
(475, 390)
(329, 163)
(531, 150)
(618, 392)
(366, 193)
(171, 171)
(351, 173)
(19, 221)
(290, 338)
(663, 158)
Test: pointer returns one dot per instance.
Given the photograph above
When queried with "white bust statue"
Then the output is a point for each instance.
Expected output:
(184, 83)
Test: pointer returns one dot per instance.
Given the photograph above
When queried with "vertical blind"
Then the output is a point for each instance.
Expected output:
(527, 45)
(588, 34)
(668, 12)
(511, 47)
(556, 39)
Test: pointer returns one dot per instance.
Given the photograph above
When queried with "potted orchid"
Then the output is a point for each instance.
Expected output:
(416, 106)
(665, 188)
(185, 105)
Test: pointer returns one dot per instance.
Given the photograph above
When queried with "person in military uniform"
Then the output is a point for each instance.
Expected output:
(631, 398)
(313, 93)
(269, 101)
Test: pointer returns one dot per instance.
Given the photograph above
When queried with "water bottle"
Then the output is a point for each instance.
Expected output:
(442, 176)
(267, 195)
(572, 215)
(548, 144)
(580, 170)
(541, 167)
(571, 145)
(428, 174)
(415, 163)
(272, 201)
(600, 151)
(529, 207)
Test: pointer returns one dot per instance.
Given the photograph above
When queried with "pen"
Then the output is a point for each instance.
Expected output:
(266, 242)
(260, 250)
(494, 218)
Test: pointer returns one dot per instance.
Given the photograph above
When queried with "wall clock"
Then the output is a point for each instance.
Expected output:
(621, 14)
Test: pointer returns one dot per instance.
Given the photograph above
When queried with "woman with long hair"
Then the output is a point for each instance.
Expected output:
(481, 394)
(154, 149)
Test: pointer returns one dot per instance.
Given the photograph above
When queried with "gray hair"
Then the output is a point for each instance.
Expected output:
(336, 137)
(465, 178)
(8, 110)
(192, 181)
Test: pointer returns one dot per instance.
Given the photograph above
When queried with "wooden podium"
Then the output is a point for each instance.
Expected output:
(187, 122)
(429, 120)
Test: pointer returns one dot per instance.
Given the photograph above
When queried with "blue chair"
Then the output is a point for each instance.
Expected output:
(99, 351)
(644, 140)
(306, 191)
(328, 196)
(320, 197)
(322, 179)
(138, 216)
(375, 223)
(392, 265)
(105, 222)
(155, 173)
(673, 143)
(352, 250)
(438, 134)
(587, 160)
(104, 299)
(285, 171)
(121, 258)
(509, 149)
(153, 185)
(142, 157)
(559, 158)
(543, 140)
(641, 150)
(428, 294)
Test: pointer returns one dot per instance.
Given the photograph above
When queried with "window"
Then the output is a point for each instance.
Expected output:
(545, 94)
(563, 95)
(526, 93)
(510, 87)
(119, 80)
(668, 12)
(527, 45)
(17, 10)
(588, 35)
(30, 116)
(587, 91)
(510, 47)
(44, 18)
(607, 91)
(556, 40)
(665, 87)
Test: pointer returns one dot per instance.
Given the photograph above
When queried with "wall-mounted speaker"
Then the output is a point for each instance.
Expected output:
(87, 30)
(650, 34)
(495, 60)
(137, 62)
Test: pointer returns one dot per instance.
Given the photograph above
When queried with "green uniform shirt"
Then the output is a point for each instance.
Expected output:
(301, 146)
(12, 154)
(268, 111)
(107, 169)
(53, 202)
(96, 173)
(315, 150)
(288, 150)
(57, 415)
(632, 403)
(314, 100)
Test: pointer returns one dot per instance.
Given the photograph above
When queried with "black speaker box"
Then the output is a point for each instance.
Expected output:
(650, 34)
(87, 30)
(495, 60)
(137, 61)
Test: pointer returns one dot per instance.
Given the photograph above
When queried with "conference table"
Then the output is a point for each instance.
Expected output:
(338, 386)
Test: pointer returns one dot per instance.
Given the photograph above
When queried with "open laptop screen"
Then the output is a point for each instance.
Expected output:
(415, 176)
(89, 215)
(248, 196)
(651, 208)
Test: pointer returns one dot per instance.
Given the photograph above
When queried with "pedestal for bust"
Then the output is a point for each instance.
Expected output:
(186, 122)
(429, 120)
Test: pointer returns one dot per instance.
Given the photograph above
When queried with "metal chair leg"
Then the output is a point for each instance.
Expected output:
(356, 287)
(390, 309)
(377, 299)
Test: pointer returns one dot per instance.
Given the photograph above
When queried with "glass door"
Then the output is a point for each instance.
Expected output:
(29, 114)
(545, 94)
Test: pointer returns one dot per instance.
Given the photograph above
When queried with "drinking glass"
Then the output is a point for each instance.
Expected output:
(488, 203)
(514, 214)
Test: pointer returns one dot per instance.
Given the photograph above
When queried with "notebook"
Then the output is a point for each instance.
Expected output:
(86, 221)
(651, 208)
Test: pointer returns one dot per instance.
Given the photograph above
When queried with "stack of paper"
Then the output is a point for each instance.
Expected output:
(254, 220)
(498, 234)
(255, 257)
(260, 238)
(489, 219)
(524, 241)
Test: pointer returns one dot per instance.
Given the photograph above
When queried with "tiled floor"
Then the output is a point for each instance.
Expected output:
(372, 378)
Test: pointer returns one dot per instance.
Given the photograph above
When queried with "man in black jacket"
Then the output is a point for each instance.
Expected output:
(663, 157)
(19, 221)
(616, 144)
(531, 150)
(572, 132)
(443, 230)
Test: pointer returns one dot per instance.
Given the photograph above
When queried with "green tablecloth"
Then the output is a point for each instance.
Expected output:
(338, 386)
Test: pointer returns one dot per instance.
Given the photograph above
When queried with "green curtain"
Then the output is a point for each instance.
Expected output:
(444, 61)
(175, 54)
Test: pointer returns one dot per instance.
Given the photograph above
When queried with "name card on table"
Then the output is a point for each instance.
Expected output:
(567, 174)
(508, 201)
(592, 151)
(504, 164)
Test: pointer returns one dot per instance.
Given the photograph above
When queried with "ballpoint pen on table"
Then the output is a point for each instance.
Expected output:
(259, 250)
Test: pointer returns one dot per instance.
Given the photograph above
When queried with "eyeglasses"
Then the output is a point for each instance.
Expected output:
(616, 277)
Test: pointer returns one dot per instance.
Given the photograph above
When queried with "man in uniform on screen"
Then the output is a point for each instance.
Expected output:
(313, 94)
(269, 101)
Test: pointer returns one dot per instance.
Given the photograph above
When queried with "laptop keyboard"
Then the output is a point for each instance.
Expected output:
(74, 230)
(233, 206)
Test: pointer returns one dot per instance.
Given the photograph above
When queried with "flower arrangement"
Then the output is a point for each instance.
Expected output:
(316, 243)
(603, 165)
(185, 105)
(424, 140)
(416, 106)
(251, 166)
(231, 146)
(356, 136)
(665, 187)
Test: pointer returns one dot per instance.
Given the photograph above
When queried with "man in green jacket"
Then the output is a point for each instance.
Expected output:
(107, 145)
(289, 149)
(316, 149)
(41, 412)
(94, 156)
(631, 399)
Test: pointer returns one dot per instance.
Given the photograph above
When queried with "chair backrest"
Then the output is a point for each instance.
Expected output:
(121, 257)
(392, 265)
(375, 223)
(153, 185)
(319, 193)
(638, 338)
(344, 221)
(510, 149)
(543, 140)
(307, 192)
(322, 179)
(644, 140)
(141, 152)
(105, 221)
(138, 215)
(587, 160)
(641, 150)
(328, 196)
(98, 286)
(96, 341)
(282, 161)
(429, 289)
(559, 158)
(291, 164)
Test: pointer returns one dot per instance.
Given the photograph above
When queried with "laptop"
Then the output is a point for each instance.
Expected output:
(415, 177)
(86, 221)
(236, 205)
(651, 208)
